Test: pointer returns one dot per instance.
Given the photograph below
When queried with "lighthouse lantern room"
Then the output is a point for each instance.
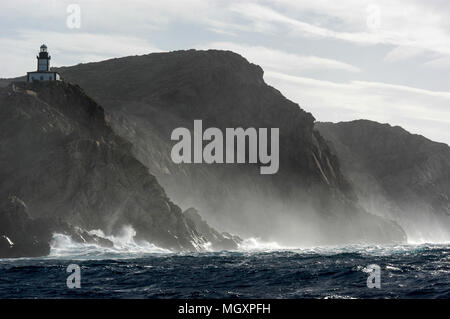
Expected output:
(43, 72)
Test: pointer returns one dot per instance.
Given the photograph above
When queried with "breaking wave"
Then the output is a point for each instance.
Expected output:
(125, 246)
(256, 244)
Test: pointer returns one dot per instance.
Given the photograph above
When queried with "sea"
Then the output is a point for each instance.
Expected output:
(256, 270)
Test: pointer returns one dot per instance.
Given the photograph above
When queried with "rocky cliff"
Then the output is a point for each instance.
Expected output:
(307, 202)
(63, 169)
(403, 176)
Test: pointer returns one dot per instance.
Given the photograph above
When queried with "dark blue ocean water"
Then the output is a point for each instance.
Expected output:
(410, 271)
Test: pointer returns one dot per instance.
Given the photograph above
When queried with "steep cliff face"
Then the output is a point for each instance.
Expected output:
(307, 202)
(60, 158)
(396, 174)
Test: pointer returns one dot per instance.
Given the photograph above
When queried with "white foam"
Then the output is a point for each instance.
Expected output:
(256, 244)
(438, 239)
(124, 246)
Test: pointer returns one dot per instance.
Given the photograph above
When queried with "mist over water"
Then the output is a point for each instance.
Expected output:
(419, 223)
(289, 224)
(421, 233)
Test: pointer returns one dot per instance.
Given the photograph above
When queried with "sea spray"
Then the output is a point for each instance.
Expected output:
(125, 246)
(256, 244)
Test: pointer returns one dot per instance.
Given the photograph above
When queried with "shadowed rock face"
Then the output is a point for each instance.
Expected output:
(21, 236)
(396, 174)
(307, 202)
(219, 241)
(60, 157)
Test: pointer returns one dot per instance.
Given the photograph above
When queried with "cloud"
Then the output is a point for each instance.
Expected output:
(411, 24)
(272, 59)
(417, 110)
(403, 53)
(439, 63)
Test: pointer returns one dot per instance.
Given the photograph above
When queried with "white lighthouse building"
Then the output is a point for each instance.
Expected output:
(43, 72)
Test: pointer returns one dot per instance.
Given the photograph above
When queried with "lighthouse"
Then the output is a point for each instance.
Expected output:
(43, 72)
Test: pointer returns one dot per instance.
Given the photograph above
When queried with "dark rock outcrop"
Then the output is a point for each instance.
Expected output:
(307, 202)
(403, 176)
(59, 155)
(21, 236)
(218, 241)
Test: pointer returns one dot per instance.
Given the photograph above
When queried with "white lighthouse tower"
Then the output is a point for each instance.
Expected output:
(43, 72)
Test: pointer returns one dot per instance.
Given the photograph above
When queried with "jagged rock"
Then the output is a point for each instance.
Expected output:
(60, 156)
(218, 241)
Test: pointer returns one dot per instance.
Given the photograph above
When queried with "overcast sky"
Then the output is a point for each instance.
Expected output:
(387, 61)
